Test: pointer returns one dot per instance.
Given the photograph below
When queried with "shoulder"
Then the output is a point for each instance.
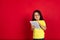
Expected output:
(42, 20)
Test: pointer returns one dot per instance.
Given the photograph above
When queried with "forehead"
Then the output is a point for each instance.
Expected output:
(36, 13)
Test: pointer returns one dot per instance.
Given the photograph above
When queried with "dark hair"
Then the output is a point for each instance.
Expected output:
(41, 17)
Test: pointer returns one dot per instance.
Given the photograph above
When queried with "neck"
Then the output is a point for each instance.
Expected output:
(37, 20)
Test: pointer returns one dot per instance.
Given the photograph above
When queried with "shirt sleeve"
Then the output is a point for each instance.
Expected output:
(43, 23)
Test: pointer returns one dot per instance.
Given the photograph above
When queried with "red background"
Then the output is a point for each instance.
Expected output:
(16, 14)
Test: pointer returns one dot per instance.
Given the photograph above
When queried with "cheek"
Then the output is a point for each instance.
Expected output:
(39, 16)
(35, 17)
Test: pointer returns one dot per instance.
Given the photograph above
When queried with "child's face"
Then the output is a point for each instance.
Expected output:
(36, 16)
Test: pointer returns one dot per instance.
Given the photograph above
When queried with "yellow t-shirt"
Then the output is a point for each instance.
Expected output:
(38, 33)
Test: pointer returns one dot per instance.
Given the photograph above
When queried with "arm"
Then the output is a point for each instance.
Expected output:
(32, 27)
(43, 26)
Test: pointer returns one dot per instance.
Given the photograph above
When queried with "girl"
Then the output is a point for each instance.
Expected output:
(38, 33)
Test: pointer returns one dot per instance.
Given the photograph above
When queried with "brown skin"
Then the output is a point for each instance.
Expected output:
(37, 17)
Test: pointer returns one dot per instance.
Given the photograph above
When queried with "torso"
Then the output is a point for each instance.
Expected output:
(38, 33)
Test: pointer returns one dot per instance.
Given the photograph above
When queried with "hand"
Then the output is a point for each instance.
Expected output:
(39, 23)
(32, 27)
(41, 26)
